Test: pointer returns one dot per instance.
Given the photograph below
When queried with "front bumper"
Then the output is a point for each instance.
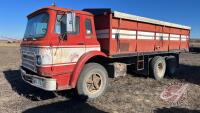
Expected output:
(47, 84)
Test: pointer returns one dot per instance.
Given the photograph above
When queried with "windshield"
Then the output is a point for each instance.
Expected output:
(37, 26)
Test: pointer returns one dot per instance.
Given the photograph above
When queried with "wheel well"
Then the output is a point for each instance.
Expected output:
(104, 62)
(99, 59)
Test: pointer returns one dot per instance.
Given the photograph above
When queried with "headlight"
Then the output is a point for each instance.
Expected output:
(38, 60)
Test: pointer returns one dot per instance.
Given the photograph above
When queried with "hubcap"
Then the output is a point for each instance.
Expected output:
(160, 66)
(94, 83)
(160, 69)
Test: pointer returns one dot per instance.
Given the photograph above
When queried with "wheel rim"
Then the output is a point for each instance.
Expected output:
(160, 66)
(94, 83)
(160, 69)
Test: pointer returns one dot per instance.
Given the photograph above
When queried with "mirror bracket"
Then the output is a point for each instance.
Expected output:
(68, 25)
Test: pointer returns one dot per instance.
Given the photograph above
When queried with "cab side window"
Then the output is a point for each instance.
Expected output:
(88, 27)
(58, 24)
(58, 27)
(77, 25)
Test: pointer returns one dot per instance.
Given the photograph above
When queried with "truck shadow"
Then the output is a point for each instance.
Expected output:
(68, 105)
(26, 90)
(195, 49)
(188, 73)
(175, 110)
(71, 106)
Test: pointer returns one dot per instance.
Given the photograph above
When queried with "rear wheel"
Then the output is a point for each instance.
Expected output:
(158, 67)
(171, 65)
(92, 82)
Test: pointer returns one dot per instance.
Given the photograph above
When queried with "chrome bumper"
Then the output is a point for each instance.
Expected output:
(47, 84)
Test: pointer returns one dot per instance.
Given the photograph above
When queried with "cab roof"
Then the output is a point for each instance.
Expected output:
(59, 9)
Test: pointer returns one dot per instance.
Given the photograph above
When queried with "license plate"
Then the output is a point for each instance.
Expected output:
(37, 82)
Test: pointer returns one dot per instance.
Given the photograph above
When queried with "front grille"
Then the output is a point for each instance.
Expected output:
(28, 61)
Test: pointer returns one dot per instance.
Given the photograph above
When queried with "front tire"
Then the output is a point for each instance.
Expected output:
(92, 82)
(158, 67)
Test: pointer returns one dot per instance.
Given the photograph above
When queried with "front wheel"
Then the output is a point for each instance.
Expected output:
(92, 82)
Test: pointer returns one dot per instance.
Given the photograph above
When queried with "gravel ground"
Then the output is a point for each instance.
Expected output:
(130, 94)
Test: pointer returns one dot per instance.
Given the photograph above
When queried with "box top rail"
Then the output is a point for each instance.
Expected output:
(122, 15)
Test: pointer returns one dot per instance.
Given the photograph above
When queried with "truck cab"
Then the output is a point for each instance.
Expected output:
(65, 48)
(55, 40)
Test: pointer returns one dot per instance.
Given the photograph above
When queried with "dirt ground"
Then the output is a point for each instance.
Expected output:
(130, 94)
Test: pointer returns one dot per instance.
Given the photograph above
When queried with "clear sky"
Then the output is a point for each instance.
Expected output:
(187, 12)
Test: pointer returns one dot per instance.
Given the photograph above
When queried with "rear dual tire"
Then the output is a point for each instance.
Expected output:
(172, 64)
(161, 66)
(158, 67)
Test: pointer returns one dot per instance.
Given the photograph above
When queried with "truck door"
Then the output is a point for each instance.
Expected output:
(91, 43)
(70, 49)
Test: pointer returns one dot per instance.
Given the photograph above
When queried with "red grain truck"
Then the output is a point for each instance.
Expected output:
(64, 48)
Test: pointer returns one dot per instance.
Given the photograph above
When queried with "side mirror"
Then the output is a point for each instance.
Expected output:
(71, 22)
(68, 24)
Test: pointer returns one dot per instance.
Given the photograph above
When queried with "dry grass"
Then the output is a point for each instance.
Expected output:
(194, 43)
(6, 44)
(130, 94)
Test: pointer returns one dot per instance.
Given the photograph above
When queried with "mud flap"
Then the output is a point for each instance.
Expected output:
(146, 70)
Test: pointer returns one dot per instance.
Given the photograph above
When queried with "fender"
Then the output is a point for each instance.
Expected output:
(80, 64)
